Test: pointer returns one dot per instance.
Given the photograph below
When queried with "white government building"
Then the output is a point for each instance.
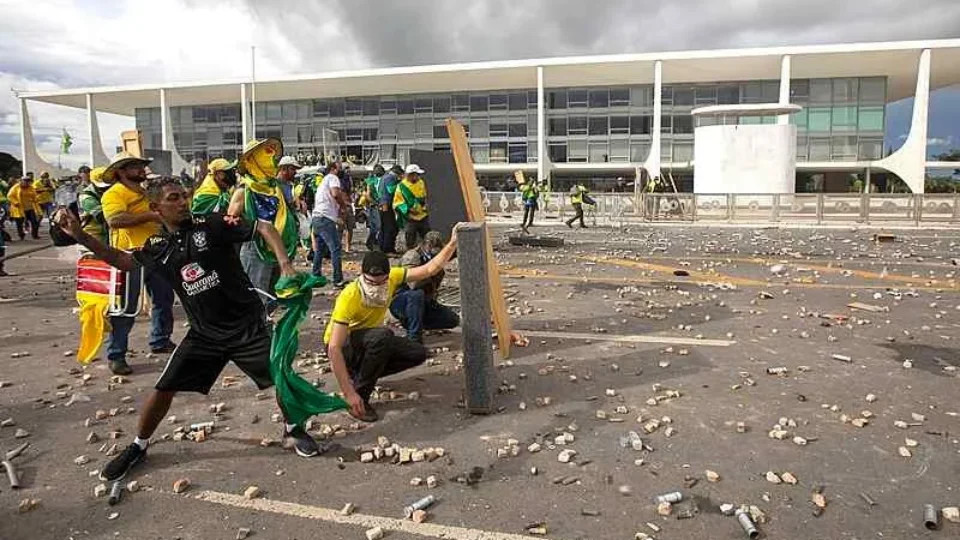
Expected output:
(723, 121)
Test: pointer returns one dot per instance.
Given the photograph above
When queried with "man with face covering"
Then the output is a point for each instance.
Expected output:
(131, 222)
(197, 258)
(360, 348)
(416, 305)
(214, 192)
(259, 197)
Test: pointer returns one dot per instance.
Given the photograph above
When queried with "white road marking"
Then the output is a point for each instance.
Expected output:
(432, 530)
(628, 338)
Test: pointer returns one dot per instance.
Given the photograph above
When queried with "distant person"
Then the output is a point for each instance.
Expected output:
(577, 194)
(286, 174)
(24, 210)
(370, 202)
(388, 219)
(45, 188)
(415, 304)
(530, 194)
(213, 195)
(328, 207)
(410, 204)
(348, 217)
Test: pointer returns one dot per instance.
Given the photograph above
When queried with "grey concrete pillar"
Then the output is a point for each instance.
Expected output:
(478, 366)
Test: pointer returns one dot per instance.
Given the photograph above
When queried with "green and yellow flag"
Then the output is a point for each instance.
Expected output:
(66, 141)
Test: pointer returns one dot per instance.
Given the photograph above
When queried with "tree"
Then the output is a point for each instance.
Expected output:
(10, 167)
(952, 155)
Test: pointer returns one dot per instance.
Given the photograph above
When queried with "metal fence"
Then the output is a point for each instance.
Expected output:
(812, 208)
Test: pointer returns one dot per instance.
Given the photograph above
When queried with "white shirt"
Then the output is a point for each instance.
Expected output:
(325, 205)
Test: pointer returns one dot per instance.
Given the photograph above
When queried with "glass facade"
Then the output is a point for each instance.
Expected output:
(843, 119)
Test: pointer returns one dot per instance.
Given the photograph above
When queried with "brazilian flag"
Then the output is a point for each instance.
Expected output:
(263, 200)
(209, 198)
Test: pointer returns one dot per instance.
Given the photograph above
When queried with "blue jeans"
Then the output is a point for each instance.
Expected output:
(417, 313)
(373, 226)
(326, 230)
(263, 275)
(161, 322)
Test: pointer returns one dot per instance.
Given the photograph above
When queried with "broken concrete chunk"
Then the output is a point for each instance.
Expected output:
(918, 417)
(911, 443)
(432, 481)
(21, 434)
(789, 478)
(243, 533)
(799, 441)
(871, 398)
(951, 514)
(419, 516)
(904, 452)
(533, 448)
(181, 485)
(664, 508)
(26, 505)
(100, 490)
(773, 477)
(375, 533)
(366, 457)
(900, 424)
(133, 486)
(712, 476)
(81, 460)
(818, 499)
(251, 492)
(566, 456)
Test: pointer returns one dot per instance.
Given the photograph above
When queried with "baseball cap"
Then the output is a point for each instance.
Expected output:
(413, 168)
(289, 160)
(375, 263)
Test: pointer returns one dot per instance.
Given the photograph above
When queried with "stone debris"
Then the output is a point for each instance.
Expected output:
(789, 478)
(664, 508)
(347, 509)
(113, 516)
(951, 514)
(432, 481)
(904, 452)
(100, 490)
(375, 533)
(27, 505)
(566, 456)
(727, 509)
(712, 476)
(871, 398)
(81, 460)
(773, 477)
(133, 486)
(243, 533)
(911, 443)
(818, 499)
(419, 516)
(251, 492)
(181, 485)
(21, 434)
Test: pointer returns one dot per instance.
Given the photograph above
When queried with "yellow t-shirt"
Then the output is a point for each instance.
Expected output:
(120, 199)
(349, 308)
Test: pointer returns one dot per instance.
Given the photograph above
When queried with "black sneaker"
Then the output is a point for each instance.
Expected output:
(303, 444)
(121, 465)
(120, 367)
(166, 348)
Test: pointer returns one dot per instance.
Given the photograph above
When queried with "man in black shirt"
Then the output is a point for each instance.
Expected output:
(198, 258)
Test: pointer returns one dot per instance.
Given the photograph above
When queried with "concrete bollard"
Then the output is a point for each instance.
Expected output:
(478, 365)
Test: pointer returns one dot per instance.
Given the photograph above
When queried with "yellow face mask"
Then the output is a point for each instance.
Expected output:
(261, 164)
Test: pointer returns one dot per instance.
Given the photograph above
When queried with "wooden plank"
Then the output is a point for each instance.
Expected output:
(471, 196)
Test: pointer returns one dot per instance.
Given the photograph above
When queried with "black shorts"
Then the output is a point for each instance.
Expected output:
(197, 362)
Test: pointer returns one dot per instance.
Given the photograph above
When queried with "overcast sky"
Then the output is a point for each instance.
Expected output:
(47, 44)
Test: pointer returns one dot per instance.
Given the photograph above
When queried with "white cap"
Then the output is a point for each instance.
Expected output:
(288, 160)
(413, 168)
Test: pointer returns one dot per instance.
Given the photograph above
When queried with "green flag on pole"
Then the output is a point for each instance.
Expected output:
(66, 141)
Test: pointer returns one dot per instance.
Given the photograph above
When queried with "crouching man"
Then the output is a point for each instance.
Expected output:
(198, 258)
(360, 348)
(415, 305)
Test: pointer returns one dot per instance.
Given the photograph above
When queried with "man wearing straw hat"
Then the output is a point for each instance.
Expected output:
(131, 222)
(259, 197)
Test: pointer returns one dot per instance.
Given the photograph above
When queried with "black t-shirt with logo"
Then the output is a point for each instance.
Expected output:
(202, 266)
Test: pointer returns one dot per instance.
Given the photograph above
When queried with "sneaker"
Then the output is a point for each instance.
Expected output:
(303, 444)
(569, 224)
(120, 367)
(166, 348)
(121, 465)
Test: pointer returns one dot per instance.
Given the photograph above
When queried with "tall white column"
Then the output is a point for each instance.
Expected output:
(244, 115)
(910, 161)
(541, 129)
(24, 133)
(97, 156)
(652, 165)
(164, 119)
(784, 119)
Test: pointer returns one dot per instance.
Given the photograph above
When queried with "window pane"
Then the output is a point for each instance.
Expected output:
(598, 126)
(498, 152)
(558, 153)
(441, 104)
(556, 126)
(799, 90)
(518, 129)
(388, 106)
(845, 90)
(706, 95)
(439, 132)
(480, 153)
(821, 91)
(683, 151)
(498, 130)
(518, 152)
(405, 106)
(518, 101)
(478, 103)
(844, 148)
(424, 128)
(802, 149)
(751, 92)
(640, 125)
(557, 99)
(819, 149)
(532, 99)
(683, 95)
(728, 95)
(639, 151)
(577, 125)
(371, 107)
(599, 98)
(683, 124)
(871, 119)
(819, 119)
(619, 150)
(274, 112)
(479, 128)
(423, 105)
(576, 98)
(336, 108)
(619, 97)
(641, 96)
(799, 119)
(370, 134)
(577, 150)
(844, 118)
(666, 124)
(461, 102)
(498, 102)
(353, 107)
(871, 148)
(619, 124)
(771, 91)
(598, 152)
(873, 90)
(405, 129)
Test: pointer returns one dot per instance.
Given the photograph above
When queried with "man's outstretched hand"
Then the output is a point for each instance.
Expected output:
(68, 222)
